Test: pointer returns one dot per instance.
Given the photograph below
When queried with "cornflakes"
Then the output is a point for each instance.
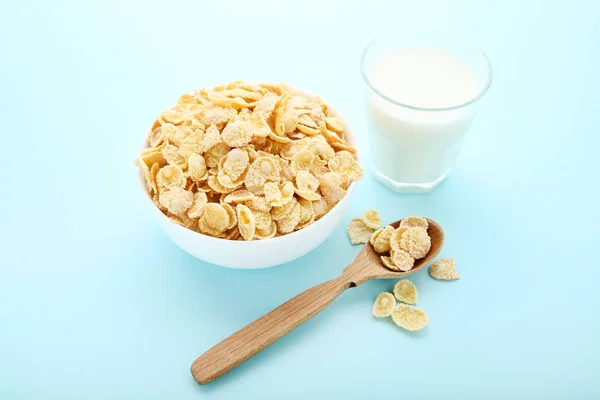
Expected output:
(176, 200)
(409, 318)
(406, 292)
(200, 200)
(384, 305)
(410, 222)
(372, 219)
(380, 239)
(402, 260)
(358, 231)
(444, 269)
(249, 161)
(416, 242)
(246, 222)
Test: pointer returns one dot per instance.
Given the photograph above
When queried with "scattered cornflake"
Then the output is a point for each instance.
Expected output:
(372, 219)
(444, 269)
(384, 305)
(405, 291)
(358, 231)
(409, 318)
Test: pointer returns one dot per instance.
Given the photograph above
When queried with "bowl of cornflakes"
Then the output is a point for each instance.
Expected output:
(249, 175)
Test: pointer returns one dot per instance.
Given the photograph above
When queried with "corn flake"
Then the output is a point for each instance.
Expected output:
(372, 219)
(409, 318)
(197, 207)
(176, 200)
(414, 221)
(416, 242)
(444, 269)
(402, 260)
(384, 305)
(358, 231)
(380, 239)
(406, 292)
(246, 222)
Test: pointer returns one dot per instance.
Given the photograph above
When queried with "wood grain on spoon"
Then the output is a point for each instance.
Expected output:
(251, 339)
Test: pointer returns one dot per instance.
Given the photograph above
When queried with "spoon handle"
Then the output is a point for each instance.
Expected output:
(253, 338)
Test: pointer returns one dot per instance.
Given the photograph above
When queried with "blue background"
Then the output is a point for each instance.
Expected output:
(97, 303)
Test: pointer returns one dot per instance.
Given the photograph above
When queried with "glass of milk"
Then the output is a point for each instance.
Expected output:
(422, 90)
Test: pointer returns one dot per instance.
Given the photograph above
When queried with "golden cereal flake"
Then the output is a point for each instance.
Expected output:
(176, 200)
(321, 148)
(307, 215)
(372, 219)
(197, 167)
(334, 124)
(278, 195)
(170, 176)
(213, 155)
(151, 157)
(286, 173)
(388, 263)
(444, 269)
(246, 222)
(172, 116)
(235, 163)
(280, 212)
(216, 116)
(302, 160)
(148, 177)
(216, 186)
(396, 237)
(192, 144)
(409, 318)
(288, 223)
(320, 208)
(414, 221)
(266, 105)
(156, 137)
(216, 217)
(403, 260)
(380, 239)
(416, 242)
(259, 203)
(384, 305)
(261, 171)
(358, 231)
(237, 134)
(262, 219)
(332, 187)
(200, 200)
(266, 233)
(239, 196)
(232, 215)
(346, 164)
(289, 150)
(212, 137)
(406, 292)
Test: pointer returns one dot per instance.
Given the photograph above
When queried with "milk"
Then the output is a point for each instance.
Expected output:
(413, 149)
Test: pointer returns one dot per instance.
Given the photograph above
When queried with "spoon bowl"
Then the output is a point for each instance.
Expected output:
(368, 265)
(251, 339)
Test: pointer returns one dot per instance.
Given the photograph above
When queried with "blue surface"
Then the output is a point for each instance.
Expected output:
(97, 303)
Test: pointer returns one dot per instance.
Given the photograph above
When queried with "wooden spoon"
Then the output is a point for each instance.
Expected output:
(248, 341)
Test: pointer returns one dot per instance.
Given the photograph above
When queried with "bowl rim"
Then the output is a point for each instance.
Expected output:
(350, 138)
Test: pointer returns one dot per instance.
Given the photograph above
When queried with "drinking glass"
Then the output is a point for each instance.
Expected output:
(414, 144)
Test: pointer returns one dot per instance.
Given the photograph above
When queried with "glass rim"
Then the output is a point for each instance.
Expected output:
(479, 95)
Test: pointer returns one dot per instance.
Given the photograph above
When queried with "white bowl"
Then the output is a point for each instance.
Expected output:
(256, 253)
